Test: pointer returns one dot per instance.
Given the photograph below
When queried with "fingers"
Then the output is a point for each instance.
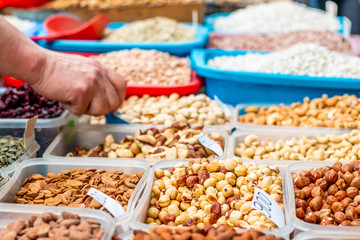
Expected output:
(119, 83)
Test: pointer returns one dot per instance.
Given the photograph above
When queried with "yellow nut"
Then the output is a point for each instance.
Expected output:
(230, 164)
(230, 178)
(174, 210)
(164, 201)
(211, 190)
(155, 189)
(162, 215)
(228, 191)
(220, 185)
(198, 190)
(196, 167)
(240, 170)
(160, 184)
(246, 208)
(149, 220)
(174, 202)
(235, 216)
(153, 212)
(210, 182)
(213, 166)
(184, 206)
(159, 173)
(224, 209)
(207, 208)
(221, 220)
(219, 176)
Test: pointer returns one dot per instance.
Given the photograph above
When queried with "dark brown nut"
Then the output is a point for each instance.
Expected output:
(337, 166)
(341, 184)
(352, 192)
(322, 183)
(181, 180)
(346, 201)
(216, 209)
(355, 182)
(301, 203)
(348, 177)
(300, 213)
(310, 218)
(191, 181)
(340, 195)
(317, 191)
(189, 222)
(169, 218)
(301, 181)
(337, 207)
(210, 218)
(307, 191)
(331, 199)
(232, 198)
(315, 174)
(355, 223)
(171, 169)
(299, 194)
(331, 176)
(316, 203)
(333, 189)
(339, 217)
(203, 175)
(327, 221)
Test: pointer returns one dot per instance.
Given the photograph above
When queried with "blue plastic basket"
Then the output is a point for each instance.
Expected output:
(178, 49)
(210, 20)
(234, 87)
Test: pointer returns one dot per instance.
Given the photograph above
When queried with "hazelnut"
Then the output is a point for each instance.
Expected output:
(356, 164)
(317, 191)
(350, 213)
(316, 203)
(322, 183)
(355, 223)
(346, 223)
(333, 189)
(341, 184)
(210, 218)
(330, 200)
(352, 192)
(356, 174)
(347, 168)
(299, 194)
(301, 203)
(181, 180)
(355, 182)
(325, 169)
(169, 218)
(327, 221)
(191, 181)
(213, 166)
(308, 210)
(357, 209)
(301, 181)
(340, 195)
(337, 166)
(189, 222)
(232, 198)
(348, 177)
(331, 176)
(216, 209)
(339, 217)
(346, 201)
(203, 175)
(337, 207)
(324, 213)
(223, 170)
(300, 213)
(310, 218)
(307, 191)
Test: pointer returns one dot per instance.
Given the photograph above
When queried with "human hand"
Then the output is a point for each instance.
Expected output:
(82, 84)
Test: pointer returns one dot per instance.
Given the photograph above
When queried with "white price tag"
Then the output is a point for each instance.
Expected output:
(109, 203)
(268, 206)
(208, 143)
(29, 134)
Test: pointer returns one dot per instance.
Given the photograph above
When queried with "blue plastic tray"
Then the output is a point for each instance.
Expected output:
(178, 49)
(234, 87)
(34, 30)
(210, 20)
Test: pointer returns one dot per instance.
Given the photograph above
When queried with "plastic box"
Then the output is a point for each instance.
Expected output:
(90, 136)
(5, 179)
(338, 235)
(239, 136)
(240, 110)
(302, 225)
(209, 21)
(10, 213)
(178, 49)
(234, 87)
(143, 205)
(45, 166)
(34, 30)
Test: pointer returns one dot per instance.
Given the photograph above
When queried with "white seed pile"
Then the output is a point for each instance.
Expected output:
(19, 23)
(277, 17)
(301, 59)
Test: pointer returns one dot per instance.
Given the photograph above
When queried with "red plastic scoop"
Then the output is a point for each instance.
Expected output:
(21, 3)
(62, 26)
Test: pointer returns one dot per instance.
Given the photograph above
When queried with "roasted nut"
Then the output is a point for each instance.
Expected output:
(316, 203)
(300, 213)
(352, 192)
(340, 195)
(355, 183)
(301, 181)
(337, 207)
(317, 191)
(310, 218)
(331, 176)
(339, 217)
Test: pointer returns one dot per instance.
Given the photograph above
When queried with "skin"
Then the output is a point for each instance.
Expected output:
(82, 84)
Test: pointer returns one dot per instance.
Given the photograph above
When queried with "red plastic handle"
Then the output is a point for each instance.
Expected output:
(21, 3)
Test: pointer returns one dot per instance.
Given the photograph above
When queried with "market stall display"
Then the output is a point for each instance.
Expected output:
(22, 25)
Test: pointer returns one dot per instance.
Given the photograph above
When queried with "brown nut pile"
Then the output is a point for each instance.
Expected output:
(328, 147)
(216, 192)
(147, 66)
(329, 195)
(275, 42)
(49, 226)
(69, 188)
(209, 232)
(176, 142)
(337, 112)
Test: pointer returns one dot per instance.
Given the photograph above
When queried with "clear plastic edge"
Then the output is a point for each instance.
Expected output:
(314, 235)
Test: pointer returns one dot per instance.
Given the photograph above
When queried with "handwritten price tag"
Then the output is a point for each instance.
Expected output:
(208, 143)
(109, 203)
(268, 206)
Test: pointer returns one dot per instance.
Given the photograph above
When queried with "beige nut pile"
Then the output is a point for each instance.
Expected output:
(337, 112)
(176, 142)
(148, 66)
(158, 29)
(331, 147)
(192, 109)
(217, 192)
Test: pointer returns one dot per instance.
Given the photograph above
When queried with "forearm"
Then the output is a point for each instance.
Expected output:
(19, 56)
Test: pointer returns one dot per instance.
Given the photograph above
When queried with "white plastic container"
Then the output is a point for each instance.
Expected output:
(140, 213)
(302, 226)
(338, 235)
(45, 166)
(10, 213)
(90, 136)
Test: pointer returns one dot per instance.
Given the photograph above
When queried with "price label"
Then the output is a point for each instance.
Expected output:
(268, 206)
(29, 134)
(208, 143)
(109, 203)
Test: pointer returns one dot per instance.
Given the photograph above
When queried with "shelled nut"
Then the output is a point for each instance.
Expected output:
(194, 109)
(207, 232)
(330, 147)
(51, 226)
(69, 188)
(329, 205)
(11, 148)
(179, 141)
(336, 112)
(217, 192)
